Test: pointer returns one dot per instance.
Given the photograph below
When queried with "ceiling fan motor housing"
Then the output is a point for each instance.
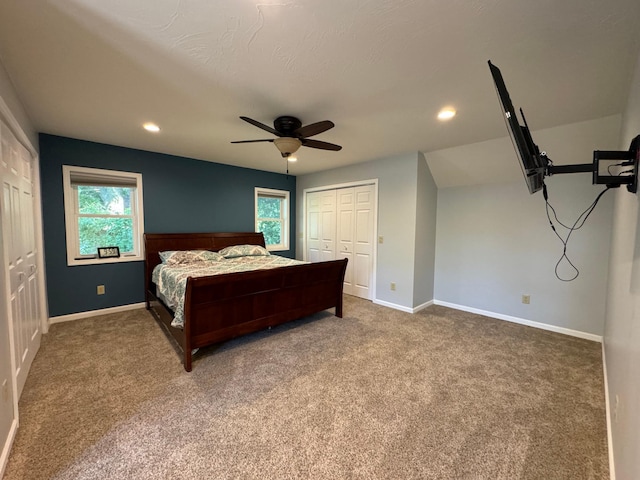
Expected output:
(287, 125)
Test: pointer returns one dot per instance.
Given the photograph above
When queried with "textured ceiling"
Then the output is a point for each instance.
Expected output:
(379, 69)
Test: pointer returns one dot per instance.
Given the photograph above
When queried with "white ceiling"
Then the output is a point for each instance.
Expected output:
(379, 69)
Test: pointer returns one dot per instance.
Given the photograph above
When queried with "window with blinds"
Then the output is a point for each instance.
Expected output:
(103, 209)
(272, 217)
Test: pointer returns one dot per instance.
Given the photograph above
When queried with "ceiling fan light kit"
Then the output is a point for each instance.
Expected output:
(287, 145)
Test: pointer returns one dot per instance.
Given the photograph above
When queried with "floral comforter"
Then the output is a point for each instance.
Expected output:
(171, 280)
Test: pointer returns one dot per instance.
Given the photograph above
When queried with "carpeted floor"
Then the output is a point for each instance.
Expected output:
(379, 394)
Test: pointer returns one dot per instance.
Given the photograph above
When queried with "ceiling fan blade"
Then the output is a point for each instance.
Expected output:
(261, 125)
(252, 141)
(321, 145)
(314, 128)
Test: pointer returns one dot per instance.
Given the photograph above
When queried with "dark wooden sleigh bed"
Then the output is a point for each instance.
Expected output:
(221, 307)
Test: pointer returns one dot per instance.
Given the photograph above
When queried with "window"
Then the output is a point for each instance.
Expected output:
(272, 217)
(103, 208)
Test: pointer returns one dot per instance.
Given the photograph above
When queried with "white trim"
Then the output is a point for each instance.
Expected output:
(422, 306)
(39, 234)
(285, 213)
(357, 183)
(395, 306)
(16, 129)
(402, 308)
(95, 313)
(612, 465)
(522, 321)
(6, 449)
(71, 214)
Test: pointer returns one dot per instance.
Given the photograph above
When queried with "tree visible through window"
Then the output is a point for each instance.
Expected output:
(105, 218)
(272, 217)
(103, 208)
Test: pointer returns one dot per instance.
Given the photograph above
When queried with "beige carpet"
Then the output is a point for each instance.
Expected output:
(379, 394)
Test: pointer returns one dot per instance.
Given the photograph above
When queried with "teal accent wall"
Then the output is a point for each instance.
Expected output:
(180, 195)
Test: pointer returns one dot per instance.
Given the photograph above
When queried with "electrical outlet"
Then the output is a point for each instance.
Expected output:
(100, 290)
(393, 286)
(526, 299)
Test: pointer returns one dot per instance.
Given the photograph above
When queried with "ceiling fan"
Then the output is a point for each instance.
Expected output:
(292, 135)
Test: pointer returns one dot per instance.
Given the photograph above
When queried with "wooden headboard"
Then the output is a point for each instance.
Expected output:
(160, 242)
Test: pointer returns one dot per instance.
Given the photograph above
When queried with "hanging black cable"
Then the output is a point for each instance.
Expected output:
(579, 223)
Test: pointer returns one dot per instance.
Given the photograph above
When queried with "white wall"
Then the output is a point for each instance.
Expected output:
(397, 198)
(425, 253)
(8, 415)
(494, 244)
(622, 325)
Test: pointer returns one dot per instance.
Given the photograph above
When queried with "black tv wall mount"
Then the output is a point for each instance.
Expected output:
(610, 167)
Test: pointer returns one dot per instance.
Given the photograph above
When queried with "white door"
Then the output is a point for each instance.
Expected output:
(364, 225)
(328, 225)
(16, 171)
(321, 226)
(8, 413)
(313, 227)
(341, 224)
(345, 233)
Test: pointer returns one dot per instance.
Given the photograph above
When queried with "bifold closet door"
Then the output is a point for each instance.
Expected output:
(321, 226)
(341, 224)
(18, 230)
(355, 210)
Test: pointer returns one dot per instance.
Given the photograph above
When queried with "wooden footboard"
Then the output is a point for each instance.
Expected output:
(221, 307)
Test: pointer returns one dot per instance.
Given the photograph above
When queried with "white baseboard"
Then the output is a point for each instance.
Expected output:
(422, 307)
(612, 466)
(522, 321)
(6, 449)
(94, 313)
(402, 308)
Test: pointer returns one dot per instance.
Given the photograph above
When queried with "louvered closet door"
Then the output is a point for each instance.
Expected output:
(20, 250)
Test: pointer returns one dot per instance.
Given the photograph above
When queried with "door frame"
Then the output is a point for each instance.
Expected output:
(337, 186)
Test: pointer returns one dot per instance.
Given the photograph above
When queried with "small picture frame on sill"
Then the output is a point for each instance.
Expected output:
(108, 252)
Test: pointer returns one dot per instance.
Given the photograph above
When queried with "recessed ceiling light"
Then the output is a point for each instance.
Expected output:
(151, 127)
(446, 114)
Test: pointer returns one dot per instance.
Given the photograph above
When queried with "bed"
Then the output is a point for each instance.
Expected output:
(220, 307)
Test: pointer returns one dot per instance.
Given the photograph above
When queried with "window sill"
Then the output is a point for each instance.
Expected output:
(277, 248)
(73, 262)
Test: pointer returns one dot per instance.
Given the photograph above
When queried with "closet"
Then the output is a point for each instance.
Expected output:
(340, 223)
(20, 292)
(23, 310)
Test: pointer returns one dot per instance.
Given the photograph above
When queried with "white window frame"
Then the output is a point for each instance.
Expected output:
(283, 195)
(71, 176)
